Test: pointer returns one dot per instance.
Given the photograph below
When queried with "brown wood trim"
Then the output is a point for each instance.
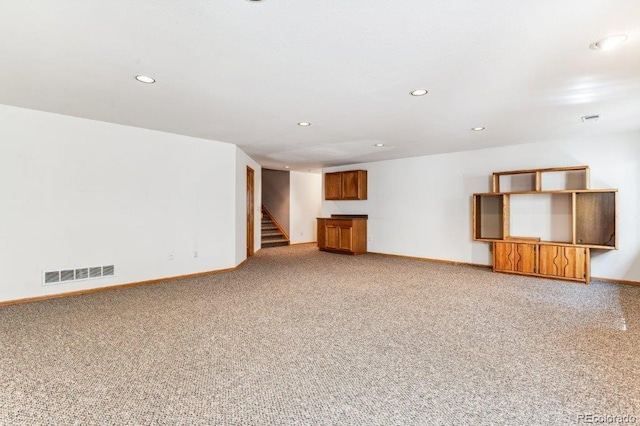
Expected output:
(427, 259)
(615, 281)
(554, 191)
(117, 286)
(266, 210)
(550, 169)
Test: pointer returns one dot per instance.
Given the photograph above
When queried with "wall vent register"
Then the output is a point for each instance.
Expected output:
(77, 274)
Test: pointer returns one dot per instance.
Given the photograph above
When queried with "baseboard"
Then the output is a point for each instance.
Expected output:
(427, 259)
(614, 281)
(117, 286)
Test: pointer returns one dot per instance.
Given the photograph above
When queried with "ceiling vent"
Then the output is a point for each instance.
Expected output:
(586, 118)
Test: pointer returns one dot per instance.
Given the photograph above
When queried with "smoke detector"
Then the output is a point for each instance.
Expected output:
(586, 118)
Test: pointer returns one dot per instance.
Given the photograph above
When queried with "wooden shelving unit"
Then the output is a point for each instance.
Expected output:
(592, 223)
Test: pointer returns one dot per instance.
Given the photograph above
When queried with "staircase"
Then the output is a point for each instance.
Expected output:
(272, 235)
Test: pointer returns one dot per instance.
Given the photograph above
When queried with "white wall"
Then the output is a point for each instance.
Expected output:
(422, 206)
(242, 161)
(306, 202)
(78, 193)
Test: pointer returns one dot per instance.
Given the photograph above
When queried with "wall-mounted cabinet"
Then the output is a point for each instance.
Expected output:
(347, 185)
(545, 221)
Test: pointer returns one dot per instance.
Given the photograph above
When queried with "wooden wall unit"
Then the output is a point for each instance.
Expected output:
(593, 223)
(346, 235)
(347, 185)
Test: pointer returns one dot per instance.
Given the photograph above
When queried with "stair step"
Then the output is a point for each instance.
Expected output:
(273, 237)
(275, 243)
(271, 234)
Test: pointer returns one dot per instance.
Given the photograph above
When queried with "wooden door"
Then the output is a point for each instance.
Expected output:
(575, 262)
(332, 186)
(350, 185)
(250, 211)
(551, 260)
(503, 257)
(564, 262)
(346, 237)
(525, 258)
(514, 257)
(332, 236)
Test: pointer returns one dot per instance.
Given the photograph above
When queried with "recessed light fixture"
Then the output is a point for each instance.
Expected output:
(419, 92)
(304, 124)
(477, 129)
(379, 145)
(609, 42)
(254, 1)
(145, 79)
(286, 167)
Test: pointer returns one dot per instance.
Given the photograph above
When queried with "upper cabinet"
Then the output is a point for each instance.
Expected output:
(347, 185)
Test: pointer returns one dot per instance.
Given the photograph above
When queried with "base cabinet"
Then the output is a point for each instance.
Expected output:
(546, 260)
(564, 262)
(515, 257)
(347, 236)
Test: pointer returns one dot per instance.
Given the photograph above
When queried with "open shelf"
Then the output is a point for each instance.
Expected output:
(595, 219)
(489, 217)
(537, 180)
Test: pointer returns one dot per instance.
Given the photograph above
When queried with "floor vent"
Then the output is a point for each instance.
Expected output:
(78, 274)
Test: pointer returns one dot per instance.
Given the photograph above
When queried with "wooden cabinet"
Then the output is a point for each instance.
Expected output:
(566, 262)
(578, 219)
(342, 235)
(332, 186)
(542, 259)
(515, 257)
(347, 185)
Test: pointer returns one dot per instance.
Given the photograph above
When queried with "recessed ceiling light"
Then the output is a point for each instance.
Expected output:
(304, 124)
(477, 129)
(254, 1)
(145, 79)
(286, 167)
(379, 145)
(609, 42)
(419, 92)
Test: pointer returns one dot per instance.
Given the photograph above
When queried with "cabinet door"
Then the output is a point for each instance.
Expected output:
(350, 185)
(346, 237)
(525, 258)
(575, 262)
(503, 257)
(332, 186)
(564, 262)
(332, 236)
(551, 260)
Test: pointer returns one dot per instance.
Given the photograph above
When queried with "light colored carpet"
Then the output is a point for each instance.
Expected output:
(302, 337)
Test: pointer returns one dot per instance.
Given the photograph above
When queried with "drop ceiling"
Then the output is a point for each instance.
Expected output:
(247, 72)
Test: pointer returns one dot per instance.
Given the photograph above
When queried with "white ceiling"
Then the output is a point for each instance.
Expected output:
(246, 72)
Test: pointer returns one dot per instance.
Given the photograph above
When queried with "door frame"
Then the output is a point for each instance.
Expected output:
(250, 211)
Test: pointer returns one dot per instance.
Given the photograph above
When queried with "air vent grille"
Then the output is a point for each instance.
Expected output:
(77, 274)
(51, 277)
